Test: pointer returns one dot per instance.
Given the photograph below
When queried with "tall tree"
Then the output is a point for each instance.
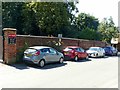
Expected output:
(108, 30)
(84, 21)
(87, 27)
(50, 18)
(11, 15)
(38, 18)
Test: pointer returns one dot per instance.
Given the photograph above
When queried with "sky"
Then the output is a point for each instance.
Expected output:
(100, 8)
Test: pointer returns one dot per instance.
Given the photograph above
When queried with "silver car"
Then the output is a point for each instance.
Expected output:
(42, 55)
(96, 52)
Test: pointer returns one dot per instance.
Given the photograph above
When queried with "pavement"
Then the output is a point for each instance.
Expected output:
(95, 73)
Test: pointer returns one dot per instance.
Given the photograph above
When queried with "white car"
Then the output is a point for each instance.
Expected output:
(96, 52)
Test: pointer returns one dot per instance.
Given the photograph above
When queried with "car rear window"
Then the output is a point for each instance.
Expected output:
(106, 48)
(68, 49)
(31, 50)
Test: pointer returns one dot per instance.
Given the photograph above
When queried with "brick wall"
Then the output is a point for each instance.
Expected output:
(1, 46)
(42, 40)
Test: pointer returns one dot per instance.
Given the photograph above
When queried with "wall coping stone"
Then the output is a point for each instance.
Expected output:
(56, 38)
(10, 29)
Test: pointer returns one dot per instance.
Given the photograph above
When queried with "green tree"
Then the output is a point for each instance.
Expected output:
(84, 21)
(89, 34)
(49, 18)
(39, 18)
(11, 15)
(87, 27)
(108, 30)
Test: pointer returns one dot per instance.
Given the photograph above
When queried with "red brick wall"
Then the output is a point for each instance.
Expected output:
(39, 40)
(1, 47)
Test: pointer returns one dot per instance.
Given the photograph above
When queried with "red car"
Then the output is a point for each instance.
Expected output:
(74, 52)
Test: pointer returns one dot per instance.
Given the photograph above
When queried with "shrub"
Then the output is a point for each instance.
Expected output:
(20, 52)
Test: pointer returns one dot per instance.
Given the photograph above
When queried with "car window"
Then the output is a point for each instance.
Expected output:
(101, 49)
(93, 49)
(53, 51)
(113, 48)
(106, 48)
(68, 49)
(82, 50)
(45, 50)
(31, 50)
(79, 49)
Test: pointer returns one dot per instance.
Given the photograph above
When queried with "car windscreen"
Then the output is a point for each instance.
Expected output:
(93, 49)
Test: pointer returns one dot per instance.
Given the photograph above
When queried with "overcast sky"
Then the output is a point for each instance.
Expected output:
(100, 8)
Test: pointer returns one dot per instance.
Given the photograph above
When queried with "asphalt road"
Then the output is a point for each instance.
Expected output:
(95, 73)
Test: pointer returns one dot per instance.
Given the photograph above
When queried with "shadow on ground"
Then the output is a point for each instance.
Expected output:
(28, 66)
(81, 60)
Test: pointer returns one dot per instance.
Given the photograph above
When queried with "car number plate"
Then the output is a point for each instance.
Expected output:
(29, 55)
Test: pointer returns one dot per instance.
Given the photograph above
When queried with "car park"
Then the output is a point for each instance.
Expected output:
(42, 55)
(96, 52)
(75, 53)
(109, 50)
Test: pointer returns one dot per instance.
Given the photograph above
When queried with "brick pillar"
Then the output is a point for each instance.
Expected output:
(9, 48)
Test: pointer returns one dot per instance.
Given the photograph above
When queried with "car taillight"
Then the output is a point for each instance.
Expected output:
(37, 53)
(72, 51)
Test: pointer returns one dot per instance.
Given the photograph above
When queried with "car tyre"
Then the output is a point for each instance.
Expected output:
(87, 58)
(61, 60)
(116, 54)
(42, 63)
(76, 58)
(103, 55)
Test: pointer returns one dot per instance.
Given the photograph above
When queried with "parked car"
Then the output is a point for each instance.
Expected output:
(75, 53)
(96, 52)
(42, 55)
(109, 50)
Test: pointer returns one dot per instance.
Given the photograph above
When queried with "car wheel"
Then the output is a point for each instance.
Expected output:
(76, 58)
(103, 55)
(42, 63)
(87, 58)
(116, 54)
(61, 60)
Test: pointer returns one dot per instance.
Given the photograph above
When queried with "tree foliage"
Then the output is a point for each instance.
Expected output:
(53, 18)
(87, 26)
(12, 15)
(108, 30)
(84, 21)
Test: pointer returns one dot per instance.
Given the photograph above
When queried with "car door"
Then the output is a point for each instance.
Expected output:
(82, 52)
(46, 55)
(54, 55)
(78, 52)
(114, 50)
(101, 52)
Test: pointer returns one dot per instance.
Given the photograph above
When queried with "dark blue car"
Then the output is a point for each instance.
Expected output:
(109, 50)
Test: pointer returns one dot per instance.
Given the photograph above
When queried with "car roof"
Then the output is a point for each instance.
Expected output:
(39, 47)
(72, 47)
(109, 47)
(95, 47)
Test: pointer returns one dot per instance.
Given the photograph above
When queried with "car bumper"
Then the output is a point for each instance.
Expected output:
(68, 57)
(93, 55)
(29, 61)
